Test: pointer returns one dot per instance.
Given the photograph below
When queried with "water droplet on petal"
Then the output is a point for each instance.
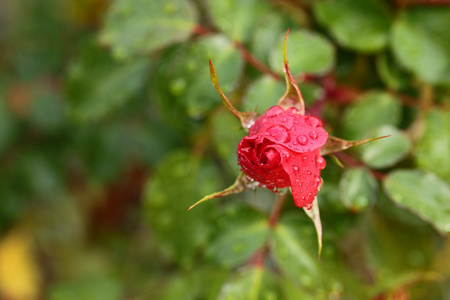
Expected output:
(280, 133)
(313, 135)
(295, 168)
(320, 162)
(303, 140)
(305, 158)
(309, 173)
(317, 180)
(265, 120)
(283, 119)
(280, 182)
(312, 121)
(274, 111)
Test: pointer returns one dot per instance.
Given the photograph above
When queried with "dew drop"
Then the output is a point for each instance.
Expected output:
(274, 111)
(312, 121)
(295, 168)
(303, 140)
(320, 162)
(280, 133)
(316, 180)
(265, 120)
(309, 173)
(313, 135)
(280, 182)
(283, 119)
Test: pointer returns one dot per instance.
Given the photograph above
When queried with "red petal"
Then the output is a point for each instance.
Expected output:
(294, 131)
(304, 173)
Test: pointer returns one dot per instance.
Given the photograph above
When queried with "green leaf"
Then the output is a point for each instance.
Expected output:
(48, 112)
(295, 252)
(419, 52)
(423, 193)
(8, 125)
(390, 72)
(387, 152)
(293, 291)
(88, 288)
(262, 94)
(180, 180)
(98, 86)
(362, 25)
(227, 135)
(234, 18)
(245, 233)
(139, 26)
(372, 110)
(357, 189)
(184, 75)
(267, 34)
(433, 148)
(307, 52)
(253, 283)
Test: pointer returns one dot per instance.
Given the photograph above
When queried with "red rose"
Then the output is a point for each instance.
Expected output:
(282, 150)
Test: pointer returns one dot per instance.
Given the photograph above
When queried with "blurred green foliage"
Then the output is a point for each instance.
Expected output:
(110, 129)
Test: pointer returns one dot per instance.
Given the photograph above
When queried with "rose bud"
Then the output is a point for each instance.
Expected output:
(282, 150)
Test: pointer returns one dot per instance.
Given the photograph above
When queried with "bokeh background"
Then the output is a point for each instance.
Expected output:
(110, 129)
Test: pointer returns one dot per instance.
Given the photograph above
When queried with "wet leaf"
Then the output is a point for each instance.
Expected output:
(139, 27)
(183, 75)
(179, 232)
(357, 189)
(307, 52)
(433, 148)
(373, 109)
(233, 17)
(423, 193)
(362, 25)
(388, 152)
(98, 86)
(262, 94)
(293, 250)
(245, 233)
(422, 47)
(252, 283)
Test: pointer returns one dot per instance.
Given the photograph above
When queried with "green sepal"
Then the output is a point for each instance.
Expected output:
(240, 185)
(247, 118)
(314, 215)
(292, 97)
(335, 144)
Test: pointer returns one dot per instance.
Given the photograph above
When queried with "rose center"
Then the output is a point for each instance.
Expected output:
(270, 158)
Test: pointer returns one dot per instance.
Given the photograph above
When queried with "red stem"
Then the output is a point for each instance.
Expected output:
(256, 63)
(276, 209)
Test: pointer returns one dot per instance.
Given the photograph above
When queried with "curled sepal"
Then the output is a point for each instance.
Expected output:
(335, 144)
(314, 215)
(292, 97)
(247, 118)
(240, 185)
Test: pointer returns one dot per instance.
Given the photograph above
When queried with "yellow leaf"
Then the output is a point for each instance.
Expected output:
(19, 279)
